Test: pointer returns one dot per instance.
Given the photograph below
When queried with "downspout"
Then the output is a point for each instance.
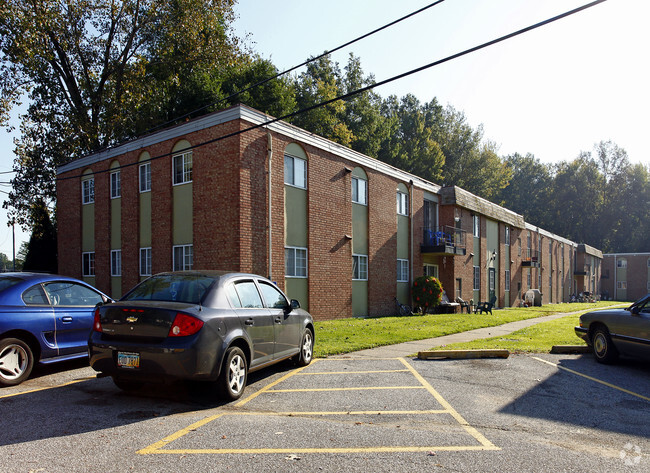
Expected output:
(411, 219)
(615, 277)
(269, 150)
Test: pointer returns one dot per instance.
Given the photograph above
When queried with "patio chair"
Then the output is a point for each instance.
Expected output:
(486, 306)
(463, 305)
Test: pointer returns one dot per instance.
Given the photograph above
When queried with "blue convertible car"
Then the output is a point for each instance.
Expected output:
(43, 317)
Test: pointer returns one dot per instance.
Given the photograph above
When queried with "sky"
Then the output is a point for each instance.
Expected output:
(552, 92)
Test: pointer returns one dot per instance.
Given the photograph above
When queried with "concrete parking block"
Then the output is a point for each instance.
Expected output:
(463, 354)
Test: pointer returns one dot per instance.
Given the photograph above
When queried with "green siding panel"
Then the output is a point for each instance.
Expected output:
(298, 288)
(402, 237)
(403, 293)
(359, 298)
(116, 287)
(183, 215)
(359, 229)
(145, 220)
(88, 227)
(295, 217)
(116, 224)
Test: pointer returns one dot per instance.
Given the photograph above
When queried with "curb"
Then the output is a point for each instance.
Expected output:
(462, 354)
(570, 349)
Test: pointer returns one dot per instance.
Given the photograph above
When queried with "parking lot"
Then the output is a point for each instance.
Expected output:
(525, 413)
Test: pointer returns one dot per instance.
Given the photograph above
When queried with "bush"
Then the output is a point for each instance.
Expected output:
(427, 293)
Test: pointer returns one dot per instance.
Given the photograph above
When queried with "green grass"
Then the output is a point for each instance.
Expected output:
(353, 334)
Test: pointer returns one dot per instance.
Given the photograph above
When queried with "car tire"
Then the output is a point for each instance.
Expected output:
(234, 374)
(16, 361)
(127, 384)
(304, 357)
(604, 349)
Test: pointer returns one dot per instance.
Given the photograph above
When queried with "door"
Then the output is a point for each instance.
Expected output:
(286, 324)
(491, 282)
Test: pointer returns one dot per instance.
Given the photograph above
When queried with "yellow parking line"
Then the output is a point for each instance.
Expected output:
(156, 447)
(353, 372)
(609, 385)
(259, 451)
(47, 387)
(364, 388)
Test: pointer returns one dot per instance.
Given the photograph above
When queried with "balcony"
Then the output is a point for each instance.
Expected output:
(582, 271)
(445, 241)
(531, 258)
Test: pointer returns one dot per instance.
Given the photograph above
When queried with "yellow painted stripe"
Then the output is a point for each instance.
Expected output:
(609, 385)
(395, 449)
(155, 447)
(352, 413)
(364, 388)
(353, 372)
(468, 428)
(48, 387)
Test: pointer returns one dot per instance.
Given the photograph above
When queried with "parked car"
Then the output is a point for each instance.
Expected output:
(611, 332)
(210, 326)
(43, 318)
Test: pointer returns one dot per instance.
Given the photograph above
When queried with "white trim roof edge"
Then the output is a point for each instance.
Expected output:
(627, 254)
(546, 233)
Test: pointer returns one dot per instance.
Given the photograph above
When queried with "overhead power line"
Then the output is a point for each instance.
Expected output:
(364, 89)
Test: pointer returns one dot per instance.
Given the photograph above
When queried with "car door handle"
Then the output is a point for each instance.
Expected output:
(66, 320)
(249, 322)
(278, 320)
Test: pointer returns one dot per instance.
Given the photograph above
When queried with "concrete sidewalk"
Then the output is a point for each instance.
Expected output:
(411, 348)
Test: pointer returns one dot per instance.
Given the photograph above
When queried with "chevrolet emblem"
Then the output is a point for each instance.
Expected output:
(132, 319)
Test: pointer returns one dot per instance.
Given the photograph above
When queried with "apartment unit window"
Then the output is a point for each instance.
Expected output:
(507, 236)
(621, 263)
(647, 286)
(145, 177)
(116, 262)
(476, 226)
(402, 203)
(183, 168)
(88, 191)
(183, 257)
(459, 288)
(529, 280)
(477, 278)
(431, 270)
(360, 267)
(507, 278)
(116, 185)
(88, 263)
(648, 262)
(359, 191)
(402, 270)
(295, 262)
(145, 261)
(295, 172)
(621, 284)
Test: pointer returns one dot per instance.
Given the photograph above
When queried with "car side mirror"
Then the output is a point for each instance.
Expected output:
(635, 310)
(295, 304)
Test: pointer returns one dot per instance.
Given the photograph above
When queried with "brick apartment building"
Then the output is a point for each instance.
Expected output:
(340, 231)
(625, 276)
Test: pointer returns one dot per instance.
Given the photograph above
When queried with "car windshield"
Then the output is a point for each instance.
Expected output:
(8, 281)
(643, 304)
(188, 288)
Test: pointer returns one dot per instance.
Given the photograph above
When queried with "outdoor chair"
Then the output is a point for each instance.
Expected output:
(463, 305)
(486, 306)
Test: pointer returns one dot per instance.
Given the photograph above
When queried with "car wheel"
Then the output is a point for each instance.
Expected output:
(604, 349)
(127, 384)
(234, 374)
(306, 349)
(16, 361)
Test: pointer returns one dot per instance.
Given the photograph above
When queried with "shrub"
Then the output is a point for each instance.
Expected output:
(427, 293)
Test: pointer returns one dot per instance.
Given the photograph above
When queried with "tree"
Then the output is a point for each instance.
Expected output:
(41, 249)
(527, 193)
(97, 71)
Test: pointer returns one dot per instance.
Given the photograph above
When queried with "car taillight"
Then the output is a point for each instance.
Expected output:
(184, 325)
(97, 324)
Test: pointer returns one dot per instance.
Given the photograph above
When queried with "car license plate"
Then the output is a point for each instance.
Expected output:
(128, 360)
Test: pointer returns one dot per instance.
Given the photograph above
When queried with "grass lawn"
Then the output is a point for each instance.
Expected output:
(352, 334)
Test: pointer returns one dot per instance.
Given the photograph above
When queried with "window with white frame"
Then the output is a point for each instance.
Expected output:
(88, 191)
(507, 280)
(145, 177)
(507, 236)
(145, 261)
(88, 263)
(295, 262)
(359, 191)
(476, 226)
(116, 262)
(183, 257)
(430, 270)
(360, 267)
(402, 203)
(182, 168)
(477, 278)
(621, 263)
(621, 284)
(402, 270)
(648, 262)
(529, 280)
(295, 171)
(116, 185)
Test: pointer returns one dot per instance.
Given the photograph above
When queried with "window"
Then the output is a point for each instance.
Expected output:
(145, 177)
(459, 288)
(648, 262)
(431, 270)
(529, 281)
(359, 191)
(116, 262)
(402, 203)
(476, 226)
(477, 278)
(248, 295)
(621, 284)
(183, 257)
(71, 294)
(88, 263)
(402, 270)
(507, 279)
(116, 185)
(88, 191)
(621, 263)
(295, 172)
(360, 267)
(295, 262)
(507, 242)
(273, 297)
(183, 168)
(145, 261)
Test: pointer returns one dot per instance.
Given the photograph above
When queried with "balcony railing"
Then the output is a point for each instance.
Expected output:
(445, 240)
(531, 258)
